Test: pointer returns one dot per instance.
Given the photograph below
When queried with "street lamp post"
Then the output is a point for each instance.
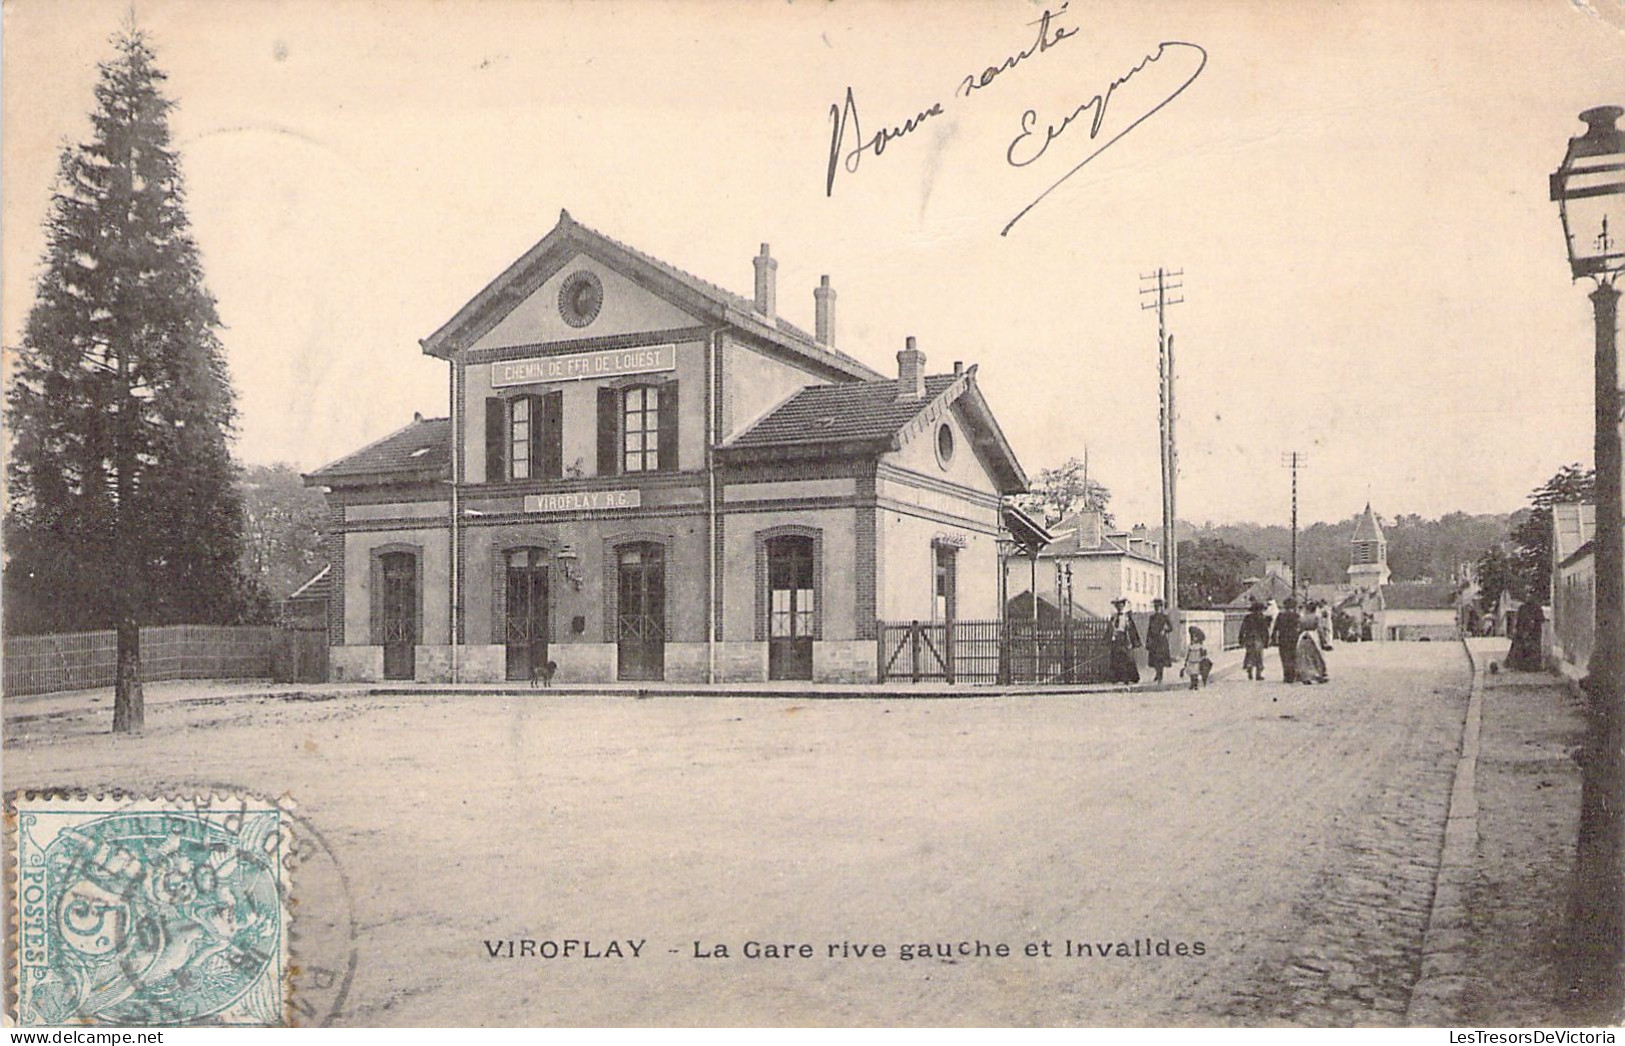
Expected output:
(1589, 189)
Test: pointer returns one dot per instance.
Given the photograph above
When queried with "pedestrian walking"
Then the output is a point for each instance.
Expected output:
(1272, 612)
(1323, 625)
(1285, 637)
(1124, 640)
(1254, 637)
(1197, 664)
(1311, 665)
(1525, 653)
(1158, 650)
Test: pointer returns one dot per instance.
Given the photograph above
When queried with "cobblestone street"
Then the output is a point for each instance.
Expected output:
(1293, 831)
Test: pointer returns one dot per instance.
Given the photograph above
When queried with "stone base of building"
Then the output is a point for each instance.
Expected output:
(475, 664)
(741, 662)
(834, 661)
(844, 661)
(582, 662)
(686, 662)
(355, 664)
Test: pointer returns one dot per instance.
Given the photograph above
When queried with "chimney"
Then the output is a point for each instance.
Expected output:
(1279, 568)
(959, 367)
(910, 373)
(1139, 538)
(1089, 527)
(766, 294)
(824, 300)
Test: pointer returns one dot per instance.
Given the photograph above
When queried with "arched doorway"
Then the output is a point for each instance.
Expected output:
(790, 609)
(526, 631)
(640, 618)
(400, 617)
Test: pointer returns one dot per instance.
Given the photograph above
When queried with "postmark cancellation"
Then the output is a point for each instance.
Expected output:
(144, 911)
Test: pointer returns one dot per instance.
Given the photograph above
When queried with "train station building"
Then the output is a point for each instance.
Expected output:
(646, 477)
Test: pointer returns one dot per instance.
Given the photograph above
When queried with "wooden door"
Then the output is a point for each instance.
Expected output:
(526, 627)
(641, 611)
(400, 636)
(790, 609)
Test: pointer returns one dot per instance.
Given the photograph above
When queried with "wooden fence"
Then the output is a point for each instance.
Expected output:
(82, 660)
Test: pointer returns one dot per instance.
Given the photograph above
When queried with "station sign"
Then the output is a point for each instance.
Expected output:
(579, 366)
(583, 501)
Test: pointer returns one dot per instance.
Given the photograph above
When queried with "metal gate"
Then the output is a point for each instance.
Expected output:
(993, 652)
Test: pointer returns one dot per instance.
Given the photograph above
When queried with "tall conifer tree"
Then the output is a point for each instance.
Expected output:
(121, 508)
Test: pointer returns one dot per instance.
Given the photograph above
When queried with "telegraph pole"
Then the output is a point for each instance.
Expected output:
(1294, 460)
(1163, 284)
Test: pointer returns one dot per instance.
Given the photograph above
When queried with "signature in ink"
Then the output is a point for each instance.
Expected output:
(1044, 42)
(845, 116)
(841, 115)
(1030, 144)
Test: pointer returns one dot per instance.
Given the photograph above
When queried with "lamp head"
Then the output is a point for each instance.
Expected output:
(1589, 189)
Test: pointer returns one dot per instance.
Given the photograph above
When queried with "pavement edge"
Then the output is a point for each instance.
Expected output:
(1436, 996)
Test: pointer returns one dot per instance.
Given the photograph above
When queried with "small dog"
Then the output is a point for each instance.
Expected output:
(543, 673)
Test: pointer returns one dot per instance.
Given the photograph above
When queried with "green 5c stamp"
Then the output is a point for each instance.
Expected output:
(150, 911)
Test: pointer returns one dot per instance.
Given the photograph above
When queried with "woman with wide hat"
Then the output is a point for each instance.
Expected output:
(1123, 638)
(1254, 637)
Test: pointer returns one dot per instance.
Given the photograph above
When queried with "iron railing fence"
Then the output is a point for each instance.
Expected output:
(993, 652)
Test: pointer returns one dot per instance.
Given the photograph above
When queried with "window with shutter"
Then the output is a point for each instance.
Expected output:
(548, 452)
(609, 434)
(640, 429)
(668, 427)
(519, 432)
(496, 439)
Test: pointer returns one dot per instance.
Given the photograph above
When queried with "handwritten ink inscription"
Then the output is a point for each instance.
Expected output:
(1036, 134)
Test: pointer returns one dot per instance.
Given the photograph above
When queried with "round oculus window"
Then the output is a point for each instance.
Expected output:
(581, 295)
(945, 444)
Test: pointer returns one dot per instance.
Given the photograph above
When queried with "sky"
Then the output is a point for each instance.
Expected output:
(1355, 193)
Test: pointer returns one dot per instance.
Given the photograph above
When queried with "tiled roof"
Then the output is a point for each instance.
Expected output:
(1420, 595)
(1069, 543)
(1367, 529)
(852, 412)
(421, 448)
(316, 587)
(711, 290)
(1020, 608)
(1573, 524)
(1263, 590)
(568, 230)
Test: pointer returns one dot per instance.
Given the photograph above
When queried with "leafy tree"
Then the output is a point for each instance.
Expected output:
(1058, 492)
(1212, 572)
(121, 507)
(1532, 538)
(282, 529)
(1497, 574)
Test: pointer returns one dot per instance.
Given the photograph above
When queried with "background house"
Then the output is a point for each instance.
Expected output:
(1125, 564)
(1574, 590)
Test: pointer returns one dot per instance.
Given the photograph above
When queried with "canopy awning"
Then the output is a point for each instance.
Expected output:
(1025, 531)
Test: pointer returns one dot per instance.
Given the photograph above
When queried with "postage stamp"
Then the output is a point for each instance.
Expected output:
(150, 911)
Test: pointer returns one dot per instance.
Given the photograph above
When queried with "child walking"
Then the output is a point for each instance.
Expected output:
(1197, 663)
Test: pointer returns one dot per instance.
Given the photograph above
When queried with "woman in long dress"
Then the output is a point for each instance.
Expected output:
(1124, 637)
(1158, 653)
(1311, 662)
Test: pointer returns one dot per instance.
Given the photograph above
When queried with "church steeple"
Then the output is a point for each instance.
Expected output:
(1368, 560)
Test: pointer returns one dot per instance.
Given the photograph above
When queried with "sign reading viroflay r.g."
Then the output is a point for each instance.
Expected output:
(605, 363)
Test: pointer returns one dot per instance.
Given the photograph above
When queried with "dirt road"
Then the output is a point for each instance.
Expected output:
(1283, 837)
